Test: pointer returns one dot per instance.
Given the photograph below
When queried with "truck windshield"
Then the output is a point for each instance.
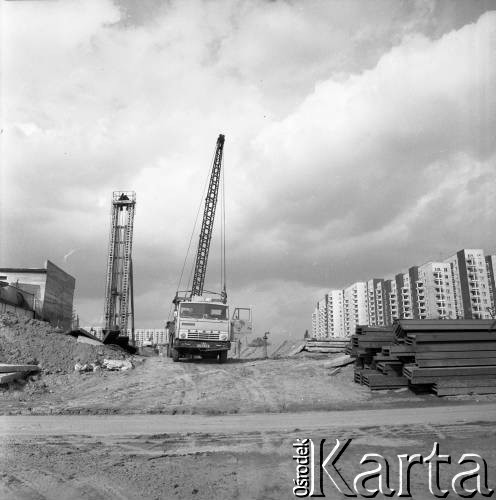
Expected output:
(203, 311)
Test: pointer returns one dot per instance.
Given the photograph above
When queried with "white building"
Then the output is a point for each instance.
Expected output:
(335, 313)
(471, 284)
(391, 308)
(435, 291)
(355, 307)
(462, 286)
(404, 296)
(147, 336)
(377, 302)
(315, 320)
(491, 277)
(142, 336)
(322, 331)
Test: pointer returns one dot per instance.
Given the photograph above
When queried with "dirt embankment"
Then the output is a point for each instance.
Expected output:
(29, 341)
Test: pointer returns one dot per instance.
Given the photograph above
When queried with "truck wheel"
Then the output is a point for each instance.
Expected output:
(222, 356)
(175, 355)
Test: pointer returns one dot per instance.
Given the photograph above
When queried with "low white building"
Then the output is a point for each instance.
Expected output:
(142, 336)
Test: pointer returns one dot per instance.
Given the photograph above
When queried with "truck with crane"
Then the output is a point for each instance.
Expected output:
(201, 323)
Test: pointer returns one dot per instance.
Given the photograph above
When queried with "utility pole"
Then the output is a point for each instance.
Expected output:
(265, 338)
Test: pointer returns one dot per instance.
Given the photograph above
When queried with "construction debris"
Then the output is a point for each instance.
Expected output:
(448, 357)
(32, 342)
(339, 361)
(116, 364)
(10, 372)
(296, 349)
(327, 346)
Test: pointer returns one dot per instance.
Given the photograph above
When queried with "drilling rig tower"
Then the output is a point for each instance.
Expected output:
(119, 300)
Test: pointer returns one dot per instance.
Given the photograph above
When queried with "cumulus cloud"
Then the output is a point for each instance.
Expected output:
(360, 140)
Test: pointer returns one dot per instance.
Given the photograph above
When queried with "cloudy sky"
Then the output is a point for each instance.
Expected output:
(360, 140)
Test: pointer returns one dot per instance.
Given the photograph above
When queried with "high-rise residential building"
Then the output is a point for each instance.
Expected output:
(377, 302)
(471, 284)
(413, 276)
(322, 318)
(404, 295)
(315, 321)
(462, 286)
(335, 313)
(355, 307)
(435, 291)
(491, 277)
(371, 302)
(391, 301)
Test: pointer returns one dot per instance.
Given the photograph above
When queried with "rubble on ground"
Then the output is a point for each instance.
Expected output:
(29, 341)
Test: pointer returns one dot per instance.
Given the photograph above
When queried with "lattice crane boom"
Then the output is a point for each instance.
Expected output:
(208, 222)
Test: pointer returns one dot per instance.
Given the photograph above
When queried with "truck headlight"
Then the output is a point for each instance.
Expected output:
(183, 335)
(223, 336)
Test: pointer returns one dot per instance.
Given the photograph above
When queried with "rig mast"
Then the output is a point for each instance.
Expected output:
(119, 300)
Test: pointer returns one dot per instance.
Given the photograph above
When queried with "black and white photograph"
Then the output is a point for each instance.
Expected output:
(247, 249)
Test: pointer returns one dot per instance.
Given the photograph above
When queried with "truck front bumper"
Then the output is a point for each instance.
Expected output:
(202, 345)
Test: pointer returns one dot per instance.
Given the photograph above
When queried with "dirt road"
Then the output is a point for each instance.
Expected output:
(224, 457)
(197, 387)
(123, 425)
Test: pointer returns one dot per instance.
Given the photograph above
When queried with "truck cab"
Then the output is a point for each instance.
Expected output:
(201, 326)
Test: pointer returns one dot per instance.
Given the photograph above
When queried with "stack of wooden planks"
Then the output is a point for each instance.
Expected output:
(330, 345)
(449, 357)
(10, 373)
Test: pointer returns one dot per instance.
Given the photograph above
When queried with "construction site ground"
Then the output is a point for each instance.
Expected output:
(200, 429)
(226, 457)
(157, 385)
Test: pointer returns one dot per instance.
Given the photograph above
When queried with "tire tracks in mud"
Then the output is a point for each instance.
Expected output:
(26, 484)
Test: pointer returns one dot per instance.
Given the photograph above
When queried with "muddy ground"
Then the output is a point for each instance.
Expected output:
(247, 458)
(79, 462)
(157, 385)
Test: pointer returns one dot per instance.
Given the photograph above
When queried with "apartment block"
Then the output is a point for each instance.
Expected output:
(413, 276)
(391, 301)
(435, 292)
(491, 277)
(355, 307)
(335, 313)
(142, 336)
(378, 303)
(150, 336)
(462, 286)
(404, 295)
(315, 319)
(471, 284)
(322, 318)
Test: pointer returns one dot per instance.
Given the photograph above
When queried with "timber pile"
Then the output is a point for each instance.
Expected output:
(10, 373)
(449, 357)
(331, 345)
